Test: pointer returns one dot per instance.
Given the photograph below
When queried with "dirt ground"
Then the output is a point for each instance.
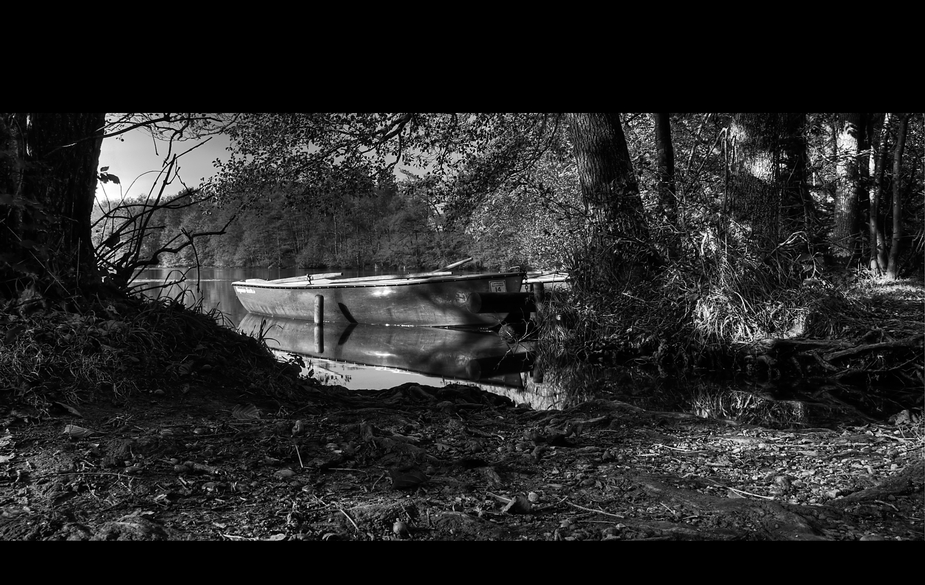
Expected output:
(200, 462)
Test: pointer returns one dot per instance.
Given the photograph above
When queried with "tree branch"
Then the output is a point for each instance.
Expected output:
(907, 342)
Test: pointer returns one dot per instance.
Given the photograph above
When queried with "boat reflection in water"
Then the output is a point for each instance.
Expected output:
(373, 357)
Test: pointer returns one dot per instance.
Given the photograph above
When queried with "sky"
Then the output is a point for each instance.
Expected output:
(135, 157)
(132, 159)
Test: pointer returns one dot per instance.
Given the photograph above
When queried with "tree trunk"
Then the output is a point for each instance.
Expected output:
(754, 199)
(845, 223)
(12, 204)
(799, 211)
(59, 154)
(892, 270)
(619, 251)
(665, 154)
(878, 259)
(863, 182)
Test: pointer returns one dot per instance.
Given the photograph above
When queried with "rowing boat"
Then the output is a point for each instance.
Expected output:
(439, 298)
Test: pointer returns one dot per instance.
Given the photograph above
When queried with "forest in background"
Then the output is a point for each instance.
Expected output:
(762, 184)
(385, 226)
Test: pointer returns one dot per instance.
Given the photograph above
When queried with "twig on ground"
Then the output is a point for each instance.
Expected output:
(595, 511)
(341, 510)
(501, 499)
(743, 492)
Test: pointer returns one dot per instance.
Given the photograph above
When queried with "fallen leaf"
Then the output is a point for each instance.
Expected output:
(69, 408)
(76, 432)
(284, 474)
(245, 412)
(400, 529)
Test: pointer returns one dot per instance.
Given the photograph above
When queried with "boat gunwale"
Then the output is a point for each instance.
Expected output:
(398, 281)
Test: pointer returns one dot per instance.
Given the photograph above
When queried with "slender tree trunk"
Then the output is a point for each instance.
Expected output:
(877, 245)
(892, 270)
(665, 154)
(619, 249)
(863, 182)
(12, 205)
(799, 210)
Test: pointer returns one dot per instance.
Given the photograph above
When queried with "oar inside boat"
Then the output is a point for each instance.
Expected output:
(456, 264)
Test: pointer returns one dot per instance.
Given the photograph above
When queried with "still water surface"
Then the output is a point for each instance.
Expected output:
(432, 357)
(427, 356)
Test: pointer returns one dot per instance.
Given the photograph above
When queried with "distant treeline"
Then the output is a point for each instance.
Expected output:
(390, 226)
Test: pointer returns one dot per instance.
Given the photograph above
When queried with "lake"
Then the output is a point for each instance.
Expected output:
(358, 356)
(376, 357)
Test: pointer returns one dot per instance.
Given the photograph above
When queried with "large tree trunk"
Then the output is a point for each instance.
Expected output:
(892, 270)
(767, 193)
(846, 220)
(753, 199)
(619, 250)
(53, 172)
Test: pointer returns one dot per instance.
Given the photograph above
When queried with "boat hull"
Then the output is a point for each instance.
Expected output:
(429, 301)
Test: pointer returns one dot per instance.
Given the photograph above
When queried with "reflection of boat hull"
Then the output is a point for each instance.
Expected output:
(434, 352)
(432, 299)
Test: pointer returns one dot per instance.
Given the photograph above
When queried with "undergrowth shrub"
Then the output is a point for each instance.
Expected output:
(704, 302)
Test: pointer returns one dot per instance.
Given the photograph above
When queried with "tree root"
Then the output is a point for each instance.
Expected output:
(771, 519)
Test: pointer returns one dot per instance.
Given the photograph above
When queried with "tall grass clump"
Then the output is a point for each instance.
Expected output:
(695, 312)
